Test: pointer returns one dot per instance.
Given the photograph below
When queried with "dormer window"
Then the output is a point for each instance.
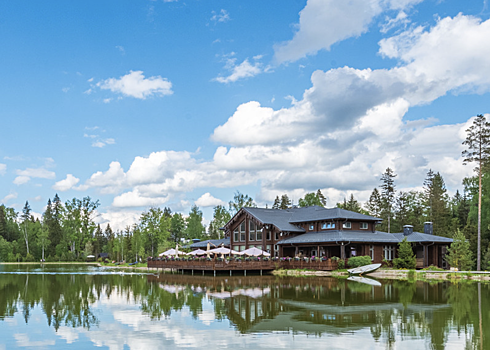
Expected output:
(312, 227)
(347, 225)
(324, 226)
(363, 225)
(327, 225)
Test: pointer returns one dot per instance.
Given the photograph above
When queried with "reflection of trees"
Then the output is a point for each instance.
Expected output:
(396, 310)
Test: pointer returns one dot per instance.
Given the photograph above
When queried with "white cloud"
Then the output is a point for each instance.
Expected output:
(240, 71)
(8, 197)
(136, 85)
(3, 169)
(103, 142)
(20, 180)
(207, 200)
(222, 16)
(323, 23)
(66, 184)
(37, 173)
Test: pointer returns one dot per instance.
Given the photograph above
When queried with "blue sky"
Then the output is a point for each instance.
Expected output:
(175, 103)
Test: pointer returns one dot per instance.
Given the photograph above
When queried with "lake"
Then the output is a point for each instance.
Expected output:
(84, 307)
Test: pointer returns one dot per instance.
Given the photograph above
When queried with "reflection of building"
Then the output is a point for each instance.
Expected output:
(322, 232)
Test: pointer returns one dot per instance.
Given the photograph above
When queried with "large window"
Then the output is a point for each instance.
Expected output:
(389, 252)
(371, 252)
(347, 225)
(251, 232)
(268, 235)
(242, 231)
(258, 235)
(235, 235)
(363, 225)
(328, 225)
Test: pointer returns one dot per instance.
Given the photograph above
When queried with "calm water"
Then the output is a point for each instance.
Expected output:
(60, 307)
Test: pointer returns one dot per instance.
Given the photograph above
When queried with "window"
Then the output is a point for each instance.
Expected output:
(242, 231)
(236, 248)
(327, 225)
(276, 250)
(235, 235)
(268, 235)
(347, 225)
(389, 252)
(277, 236)
(251, 234)
(312, 227)
(258, 236)
(364, 225)
(268, 248)
(371, 252)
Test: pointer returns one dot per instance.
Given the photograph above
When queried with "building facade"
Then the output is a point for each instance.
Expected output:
(323, 232)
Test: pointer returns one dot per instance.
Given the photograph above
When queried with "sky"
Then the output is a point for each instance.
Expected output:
(178, 103)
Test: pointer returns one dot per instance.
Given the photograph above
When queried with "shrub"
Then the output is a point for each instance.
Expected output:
(29, 258)
(357, 261)
(406, 257)
(341, 264)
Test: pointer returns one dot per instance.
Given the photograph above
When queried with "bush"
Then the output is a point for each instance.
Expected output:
(29, 258)
(406, 257)
(357, 261)
(341, 264)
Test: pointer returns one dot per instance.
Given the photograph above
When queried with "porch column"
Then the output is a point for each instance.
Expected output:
(296, 251)
(317, 250)
(426, 258)
(342, 251)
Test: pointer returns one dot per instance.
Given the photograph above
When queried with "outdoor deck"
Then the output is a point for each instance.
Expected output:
(243, 265)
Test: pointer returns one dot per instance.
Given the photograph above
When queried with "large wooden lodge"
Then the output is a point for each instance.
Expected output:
(321, 232)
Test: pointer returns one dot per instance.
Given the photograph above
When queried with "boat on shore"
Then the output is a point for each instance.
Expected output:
(363, 270)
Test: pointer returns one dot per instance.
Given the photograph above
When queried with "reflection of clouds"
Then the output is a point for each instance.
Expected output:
(68, 334)
(207, 317)
(23, 340)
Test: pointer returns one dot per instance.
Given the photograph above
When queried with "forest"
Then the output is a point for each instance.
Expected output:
(68, 231)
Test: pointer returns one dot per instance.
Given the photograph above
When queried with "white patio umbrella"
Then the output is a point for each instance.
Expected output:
(170, 252)
(197, 252)
(223, 250)
(255, 252)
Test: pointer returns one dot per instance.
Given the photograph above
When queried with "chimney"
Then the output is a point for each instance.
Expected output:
(428, 228)
(407, 230)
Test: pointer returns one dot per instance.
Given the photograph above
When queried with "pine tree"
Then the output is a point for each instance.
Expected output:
(285, 202)
(26, 216)
(388, 195)
(241, 200)
(406, 258)
(459, 253)
(478, 143)
(374, 204)
(352, 204)
(437, 202)
(321, 197)
(277, 203)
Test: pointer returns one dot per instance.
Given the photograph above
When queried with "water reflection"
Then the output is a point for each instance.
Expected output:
(393, 312)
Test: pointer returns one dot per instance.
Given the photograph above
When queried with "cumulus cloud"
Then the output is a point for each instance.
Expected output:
(25, 176)
(3, 169)
(207, 200)
(8, 197)
(66, 184)
(240, 71)
(323, 23)
(134, 84)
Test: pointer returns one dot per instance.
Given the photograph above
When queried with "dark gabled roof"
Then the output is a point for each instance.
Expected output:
(277, 217)
(212, 242)
(333, 236)
(417, 237)
(316, 213)
(286, 219)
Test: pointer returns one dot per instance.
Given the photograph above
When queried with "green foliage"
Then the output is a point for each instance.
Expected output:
(352, 205)
(195, 228)
(357, 261)
(312, 199)
(220, 218)
(459, 254)
(341, 264)
(406, 258)
(486, 259)
(240, 200)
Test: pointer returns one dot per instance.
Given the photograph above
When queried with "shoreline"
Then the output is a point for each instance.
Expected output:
(391, 274)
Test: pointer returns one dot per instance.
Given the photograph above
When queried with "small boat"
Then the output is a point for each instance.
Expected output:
(364, 280)
(363, 270)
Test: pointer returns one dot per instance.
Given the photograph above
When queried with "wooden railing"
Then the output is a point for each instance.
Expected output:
(252, 264)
